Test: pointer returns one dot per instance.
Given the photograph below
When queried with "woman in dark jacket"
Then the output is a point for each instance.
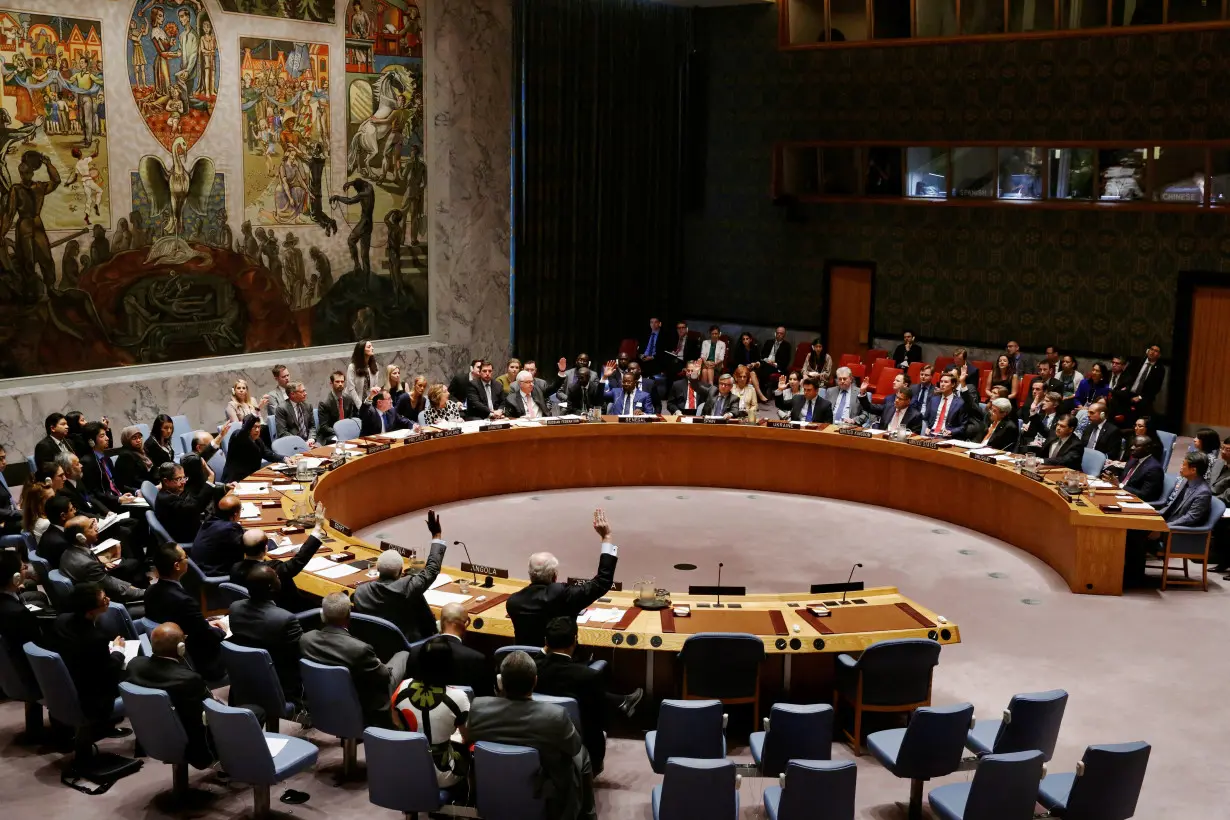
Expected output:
(132, 465)
(158, 446)
(246, 452)
(196, 481)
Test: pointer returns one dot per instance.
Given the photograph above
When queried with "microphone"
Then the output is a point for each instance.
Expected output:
(848, 579)
(718, 605)
(488, 582)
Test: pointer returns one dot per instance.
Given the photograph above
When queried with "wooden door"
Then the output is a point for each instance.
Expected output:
(1208, 370)
(849, 308)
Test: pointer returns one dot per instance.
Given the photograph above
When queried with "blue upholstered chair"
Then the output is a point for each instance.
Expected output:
(289, 446)
(380, 634)
(145, 626)
(226, 442)
(687, 728)
(793, 732)
(400, 773)
(254, 680)
(1092, 462)
(116, 622)
(310, 619)
(1167, 440)
(60, 693)
(930, 746)
(206, 587)
(335, 706)
(697, 788)
(534, 652)
(244, 752)
(723, 666)
(1169, 482)
(230, 593)
(149, 491)
(505, 779)
(182, 428)
(42, 573)
(1030, 722)
(158, 730)
(1105, 785)
(60, 586)
(217, 463)
(813, 790)
(890, 676)
(17, 681)
(1191, 544)
(1005, 787)
(569, 705)
(346, 429)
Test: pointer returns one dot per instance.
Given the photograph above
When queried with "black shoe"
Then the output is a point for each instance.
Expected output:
(629, 704)
(1221, 568)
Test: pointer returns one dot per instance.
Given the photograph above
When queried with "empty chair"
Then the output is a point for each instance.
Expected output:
(19, 684)
(60, 693)
(814, 790)
(793, 732)
(697, 788)
(61, 586)
(569, 705)
(1191, 544)
(723, 666)
(230, 593)
(873, 355)
(181, 428)
(1105, 785)
(1031, 721)
(849, 359)
(534, 652)
(890, 676)
(183, 443)
(246, 754)
(687, 728)
(254, 680)
(346, 429)
(1005, 787)
(158, 730)
(1092, 462)
(930, 746)
(117, 622)
(334, 705)
(217, 463)
(1167, 440)
(380, 634)
(400, 773)
(289, 446)
(505, 778)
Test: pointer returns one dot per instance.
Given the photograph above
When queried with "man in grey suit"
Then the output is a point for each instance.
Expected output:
(722, 402)
(294, 416)
(333, 645)
(1188, 506)
(1219, 485)
(81, 566)
(844, 398)
(518, 720)
(398, 597)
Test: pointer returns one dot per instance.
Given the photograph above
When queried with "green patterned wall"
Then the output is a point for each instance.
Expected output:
(1093, 281)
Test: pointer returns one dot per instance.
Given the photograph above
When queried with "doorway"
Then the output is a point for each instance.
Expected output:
(850, 289)
(1200, 383)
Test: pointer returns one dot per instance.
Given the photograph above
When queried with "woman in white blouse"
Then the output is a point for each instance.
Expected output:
(713, 350)
(362, 374)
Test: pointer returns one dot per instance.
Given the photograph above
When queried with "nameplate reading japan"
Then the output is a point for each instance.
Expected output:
(479, 569)
(340, 527)
(637, 419)
(853, 431)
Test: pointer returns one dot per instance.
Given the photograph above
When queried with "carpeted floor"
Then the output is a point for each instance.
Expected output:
(1148, 666)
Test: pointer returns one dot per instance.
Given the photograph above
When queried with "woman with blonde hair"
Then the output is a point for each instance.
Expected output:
(439, 407)
(240, 406)
(746, 391)
(392, 383)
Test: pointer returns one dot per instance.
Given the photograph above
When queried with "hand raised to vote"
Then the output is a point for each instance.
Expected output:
(781, 382)
(433, 524)
(563, 364)
(600, 523)
(864, 387)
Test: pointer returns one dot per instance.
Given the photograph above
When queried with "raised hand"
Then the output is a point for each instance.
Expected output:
(563, 364)
(433, 524)
(600, 523)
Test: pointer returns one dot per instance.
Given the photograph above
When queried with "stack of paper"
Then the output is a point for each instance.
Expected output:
(250, 488)
(104, 546)
(394, 434)
(600, 615)
(984, 451)
(1099, 484)
(1005, 457)
(276, 745)
(1129, 506)
(285, 547)
(441, 580)
(249, 510)
(968, 445)
(337, 571)
(435, 597)
(111, 519)
(311, 462)
(130, 649)
(319, 563)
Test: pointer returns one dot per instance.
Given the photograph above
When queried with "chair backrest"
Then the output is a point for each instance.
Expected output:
(158, 728)
(253, 678)
(347, 429)
(800, 355)
(178, 442)
(898, 671)
(871, 356)
(217, 463)
(1110, 784)
(149, 491)
(569, 705)
(534, 652)
(882, 383)
(857, 371)
(1169, 480)
(818, 790)
(878, 367)
(400, 773)
(15, 679)
(116, 622)
(506, 777)
(240, 744)
(380, 634)
(1168, 440)
(62, 585)
(629, 347)
(934, 741)
(156, 527)
(56, 684)
(42, 572)
(145, 625)
(32, 464)
(1032, 722)
(797, 732)
(232, 592)
(699, 788)
(1024, 392)
(1092, 462)
(1005, 787)
(941, 362)
(849, 360)
(310, 619)
(289, 446)
(332, 699)
(226, 439)
(144, 428)
(721, 664)
(689, 728)
(183, 442)
(915, 372)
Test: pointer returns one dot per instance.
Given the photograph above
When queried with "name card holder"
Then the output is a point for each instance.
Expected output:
(340, 527)
(708, 420)
(782, 425)
(498, 425)
(1034, 476)
(618, 586)
(480, 569)
(553, 421)
(638, 419)
(853, 431)
(369, 449)
(925, 443)
(983, 458)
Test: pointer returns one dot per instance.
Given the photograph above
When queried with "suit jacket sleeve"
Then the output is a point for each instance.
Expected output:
(286, 426)
(476, 401)
(419, 582)
(1197, 511)
(823, 412)
(327, 412)
(295, 565)
(582, 595)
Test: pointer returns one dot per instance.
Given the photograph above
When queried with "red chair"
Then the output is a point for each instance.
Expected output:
(984, 376)
(857, 371)
(629, 346)
(1025, 390)
(730, 352)
(849, 359)
(800, 355)
(940, 363)
(869, 357)
(877, 366)
(915, 372)
(884, 384)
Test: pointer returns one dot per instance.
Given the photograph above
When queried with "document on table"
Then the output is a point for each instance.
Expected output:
(472, 426)
(1128, 506)
(223, 622)
(985, 451)
(601, 615)
(311, 462)
(441, 580)
(1005, 457)
(111, 519)
(394, 434)
(285, 547)
(318, 563)
(105, 545)
(249, 488)
(249, 510)
(435, 597)
(967, 445)
(336, 571)
(276, 745)
(1099, 484)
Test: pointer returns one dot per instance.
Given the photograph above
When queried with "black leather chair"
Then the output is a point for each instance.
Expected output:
(723, 666)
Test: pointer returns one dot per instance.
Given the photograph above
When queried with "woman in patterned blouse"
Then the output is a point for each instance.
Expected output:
(439, 408)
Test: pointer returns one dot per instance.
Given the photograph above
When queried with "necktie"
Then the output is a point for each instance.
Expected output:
(1055, 446)
(487, 390)
(691, 405)
(1127, 476)
(720, 406)
(341, 408)
(841, 408)
(653, 343)
(942, 418)
(896, 422)
(384, 423)
(531, 410)
(809, 406)
(1140, 379)
(990, 432)
(105, 463)
(303, 428)
(628, 404)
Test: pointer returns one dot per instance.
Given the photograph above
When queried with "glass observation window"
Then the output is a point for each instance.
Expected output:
(882, 172)
(1121, 174)
(927, 172)
(1178, 175)
(1071, 173)
(848, 21)
(839, 171)
(974, 172)
(1020, 173)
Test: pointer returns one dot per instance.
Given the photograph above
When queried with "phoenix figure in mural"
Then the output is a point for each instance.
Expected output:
(170, 192)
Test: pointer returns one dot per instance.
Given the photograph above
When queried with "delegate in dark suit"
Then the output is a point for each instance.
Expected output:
(921, 396)
(477, 406)
(621, 404)
(677, 401)
(98, 475)
(582, 398)
(168, 601)
(289, 597)
(19, 626)
(719, 405)
(780, 361)
(180, 514)
(1005, 436)
(95, 669)
(52, 545)
(821, 410)
(1065, 453)
(217, 546)
(289, 423)
(82, 566)
(265, 625)
(911, 419)
(955, 414)
(48, 448)
(328, 411)
(900, 354)
(87, 503)
(531, 607)
(369, 421)
(470, 667)
(1104, 438)
(1149, 387)
(1143, 477)
(187, 691)
(334, 646)
(401, 600)
(514, 403)
(562, 676)
(10, 513)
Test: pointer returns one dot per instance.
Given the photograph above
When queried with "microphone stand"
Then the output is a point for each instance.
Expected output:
(488, 583)
(846, 591)
(718, 605)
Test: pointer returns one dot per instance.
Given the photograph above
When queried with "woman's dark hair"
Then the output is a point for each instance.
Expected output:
(1208, 440)
(1101, 370)
(1151, 432)
(748, 336)
(436, 663)
(361, 360)
(91, 431)
(155, 430)
(1004, 373)
(194, 472)
(76, 422)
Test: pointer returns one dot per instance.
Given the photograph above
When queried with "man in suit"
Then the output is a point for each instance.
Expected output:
(517, 719)
(10, 513)
(1187, 507)
(470, 667)
(82, 566)
(1042, 424)
(811, 407)
(899, 414)
(55, 442)
(921, 393)
(281, 389)
(723, 402)
(559, 674)
(586, 392)
(1064, 448)
(19, 626)
(255, 545)
(1146, 381)
(908, 352)
(651, 349)
(775, 357)
(260, 623)
(1001, 433)
(178, 512)
(683, 349)
(960, 359)
(688, 395)
(59, 509)
(1046, 375)
(1100, 434)
(1143, 474)
(166, 671)
(333, 645)
(205, 445)
(531, 607)
(219, 541)
(1020, 364)
(644, 382)
(294, 416)
(460, 383)
(398, 597)
(613, 373)
(1119, 400)
(527, 401)
(945, 414)
(167, 600)
(378, 416)
(334, 407)
(626, 400)
(75, 490)
(566, 377)
(844, 398)
(484, 396)
(1219, 485)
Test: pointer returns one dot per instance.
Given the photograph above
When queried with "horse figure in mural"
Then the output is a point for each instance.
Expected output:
(369, 141)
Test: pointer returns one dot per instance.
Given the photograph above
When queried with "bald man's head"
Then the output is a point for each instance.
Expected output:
(228, 507)
(166, 640)
(454, 619)
(254, 542)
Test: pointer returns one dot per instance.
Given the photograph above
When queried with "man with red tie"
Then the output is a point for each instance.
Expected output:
(946, 412)
(688, 395)
(334, 407)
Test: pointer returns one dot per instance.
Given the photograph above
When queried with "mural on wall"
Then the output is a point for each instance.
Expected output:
(312, 11)
(173, 68)
(52, 103)
(204, 224)
(284, 88)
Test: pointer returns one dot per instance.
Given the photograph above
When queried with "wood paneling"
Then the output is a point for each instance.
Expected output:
(1208, 375)
(849, 309)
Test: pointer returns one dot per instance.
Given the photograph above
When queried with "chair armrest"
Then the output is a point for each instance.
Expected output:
(1190, 530)
(847, 661)
(599, 666)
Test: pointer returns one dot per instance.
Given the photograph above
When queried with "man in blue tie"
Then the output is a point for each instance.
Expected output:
(627, 400)
(924, 390)
(844, 398)
(1188, 507)
(724, 403)
(10, 513)
(811, 407)
(379, 416)
(649, 350)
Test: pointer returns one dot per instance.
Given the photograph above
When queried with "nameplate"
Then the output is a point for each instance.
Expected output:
(618, 586)
(784, 425)
(417, 437)
(1070, 497)
(853, 431)
(925, 443)
(707, 420)
(479, 569)
(331, 465)
(499, 425)
(638, 419)
(449, 433)
(551, 421)
(983, 458)
(377, 448)
(340, 527)
(1035, 476)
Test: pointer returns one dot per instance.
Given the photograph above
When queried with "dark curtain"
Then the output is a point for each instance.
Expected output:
(601, 106)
